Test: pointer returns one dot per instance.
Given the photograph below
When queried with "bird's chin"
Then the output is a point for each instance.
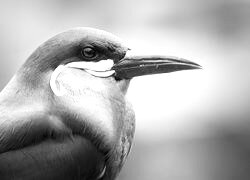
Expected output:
(71, 158)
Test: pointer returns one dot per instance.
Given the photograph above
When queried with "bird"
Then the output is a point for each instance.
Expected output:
(65, 115)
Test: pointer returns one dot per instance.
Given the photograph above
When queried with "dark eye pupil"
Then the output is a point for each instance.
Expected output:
(88, 52)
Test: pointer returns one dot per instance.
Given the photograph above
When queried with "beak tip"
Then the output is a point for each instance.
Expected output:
(199, 67)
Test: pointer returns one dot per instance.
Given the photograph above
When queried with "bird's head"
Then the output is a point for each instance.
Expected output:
(83, 75)
(100, 54)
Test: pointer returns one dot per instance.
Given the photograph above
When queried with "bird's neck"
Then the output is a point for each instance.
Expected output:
(44, 60)
(25, 87)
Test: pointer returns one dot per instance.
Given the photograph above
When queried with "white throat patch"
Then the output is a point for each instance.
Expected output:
(99, 69)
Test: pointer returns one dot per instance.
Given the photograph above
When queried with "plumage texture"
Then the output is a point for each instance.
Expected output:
(73, 122)
(44, 136)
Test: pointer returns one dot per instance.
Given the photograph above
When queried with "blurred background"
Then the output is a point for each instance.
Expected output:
(191, 125)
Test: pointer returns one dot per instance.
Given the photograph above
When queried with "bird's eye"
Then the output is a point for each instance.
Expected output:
(89, 52)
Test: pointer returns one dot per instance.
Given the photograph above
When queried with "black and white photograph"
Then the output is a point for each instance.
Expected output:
(125, 90)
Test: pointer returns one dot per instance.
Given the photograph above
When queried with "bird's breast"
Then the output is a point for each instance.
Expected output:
(97, 109)
(91, 102)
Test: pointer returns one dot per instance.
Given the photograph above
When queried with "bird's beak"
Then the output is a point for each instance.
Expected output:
(132, 66)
